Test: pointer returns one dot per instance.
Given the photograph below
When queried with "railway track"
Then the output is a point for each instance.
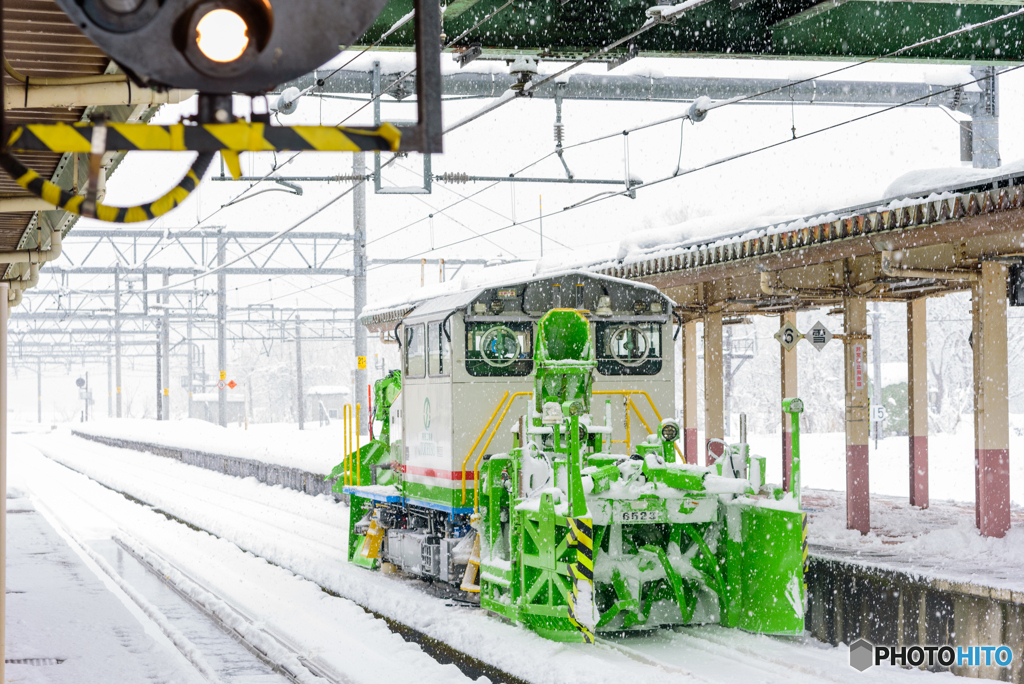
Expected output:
(276, 650)
(699, 655)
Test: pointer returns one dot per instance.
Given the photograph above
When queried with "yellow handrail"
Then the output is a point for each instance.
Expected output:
(627, 393)
(473, 448)
(346, 419)
(638, 415)
(508, 405)
(358, 455)
(476, 464)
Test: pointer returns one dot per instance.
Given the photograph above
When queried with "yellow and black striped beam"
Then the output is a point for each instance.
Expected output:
(240, 136)
(581, 535)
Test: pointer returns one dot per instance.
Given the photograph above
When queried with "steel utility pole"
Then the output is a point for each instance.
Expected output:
(222, 340)
(191, 358)
(39, 388)
(110, 389)
(165, 340)
(117, 338)
(159, 377)
(298, 373)
(359, 269)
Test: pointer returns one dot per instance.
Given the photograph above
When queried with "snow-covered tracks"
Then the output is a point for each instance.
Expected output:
(283, 657)
(304, 633)
(306, 535)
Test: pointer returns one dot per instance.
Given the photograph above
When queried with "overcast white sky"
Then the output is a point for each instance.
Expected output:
(851, 164)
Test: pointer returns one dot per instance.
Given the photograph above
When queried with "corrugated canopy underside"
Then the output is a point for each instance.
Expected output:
(40, 41)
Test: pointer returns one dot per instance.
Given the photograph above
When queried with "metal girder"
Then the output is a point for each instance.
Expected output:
(202, 330)
(135, 251)
(804, 29)
(231, 270)
(201, 234)
(665, 88)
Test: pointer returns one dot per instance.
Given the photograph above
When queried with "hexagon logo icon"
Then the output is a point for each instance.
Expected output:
(862, 654)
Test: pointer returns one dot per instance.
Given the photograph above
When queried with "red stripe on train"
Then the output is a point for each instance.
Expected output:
(440, 474)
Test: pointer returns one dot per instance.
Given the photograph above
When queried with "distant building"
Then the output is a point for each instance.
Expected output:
(327, 401)
(204, 406)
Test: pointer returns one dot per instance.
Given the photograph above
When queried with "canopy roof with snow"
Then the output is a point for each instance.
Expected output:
(496, 283)
(914, 198)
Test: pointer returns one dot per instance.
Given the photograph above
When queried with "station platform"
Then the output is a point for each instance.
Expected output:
(940, 543)
(921, 576)
(67, 624)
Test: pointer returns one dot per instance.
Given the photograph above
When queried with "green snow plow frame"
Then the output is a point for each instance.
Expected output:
(606, 543)
(750, 558)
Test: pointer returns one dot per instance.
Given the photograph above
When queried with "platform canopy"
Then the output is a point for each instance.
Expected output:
(797, 29)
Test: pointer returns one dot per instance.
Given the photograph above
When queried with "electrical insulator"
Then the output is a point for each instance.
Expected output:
(559, 132)
(453, 177)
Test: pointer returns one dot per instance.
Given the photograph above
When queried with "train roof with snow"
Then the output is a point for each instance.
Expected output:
(491, 292)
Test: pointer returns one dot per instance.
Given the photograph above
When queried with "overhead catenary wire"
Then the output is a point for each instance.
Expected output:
(269, 174)
(607, 48)
(711, 164)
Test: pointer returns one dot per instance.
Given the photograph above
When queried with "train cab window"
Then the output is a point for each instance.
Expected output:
(415, 361)
(438, 350)
(501, 348)
(628, 348)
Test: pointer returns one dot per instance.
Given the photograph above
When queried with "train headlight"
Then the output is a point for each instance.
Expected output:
(122, 6)
(669, 430)
(222, 35)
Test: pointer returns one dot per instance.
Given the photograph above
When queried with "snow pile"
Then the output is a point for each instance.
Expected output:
(940, 542)
(927, 180)
(315, 449)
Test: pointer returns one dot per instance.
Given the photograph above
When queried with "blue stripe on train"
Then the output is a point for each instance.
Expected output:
(395, 498)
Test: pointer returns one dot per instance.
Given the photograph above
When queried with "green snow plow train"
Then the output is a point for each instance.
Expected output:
(573, 523)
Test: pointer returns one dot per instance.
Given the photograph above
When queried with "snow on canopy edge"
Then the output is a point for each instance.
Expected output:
(910, 189)
(481, 280)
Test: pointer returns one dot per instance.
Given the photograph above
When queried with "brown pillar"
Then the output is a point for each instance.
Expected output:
(789, 389)
(917, 400)
(991, 401)
(690, 419)
(858, 502)
(714, 395)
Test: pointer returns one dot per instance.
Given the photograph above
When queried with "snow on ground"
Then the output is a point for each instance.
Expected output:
(330, 629)
(58, 608)
(307, 535)
(315, 449)
(940, 542)
(823, 464)
(950, 464)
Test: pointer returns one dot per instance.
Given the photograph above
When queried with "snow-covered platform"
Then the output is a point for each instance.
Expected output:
(65, 623)
(939, 544)
(919, 577)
